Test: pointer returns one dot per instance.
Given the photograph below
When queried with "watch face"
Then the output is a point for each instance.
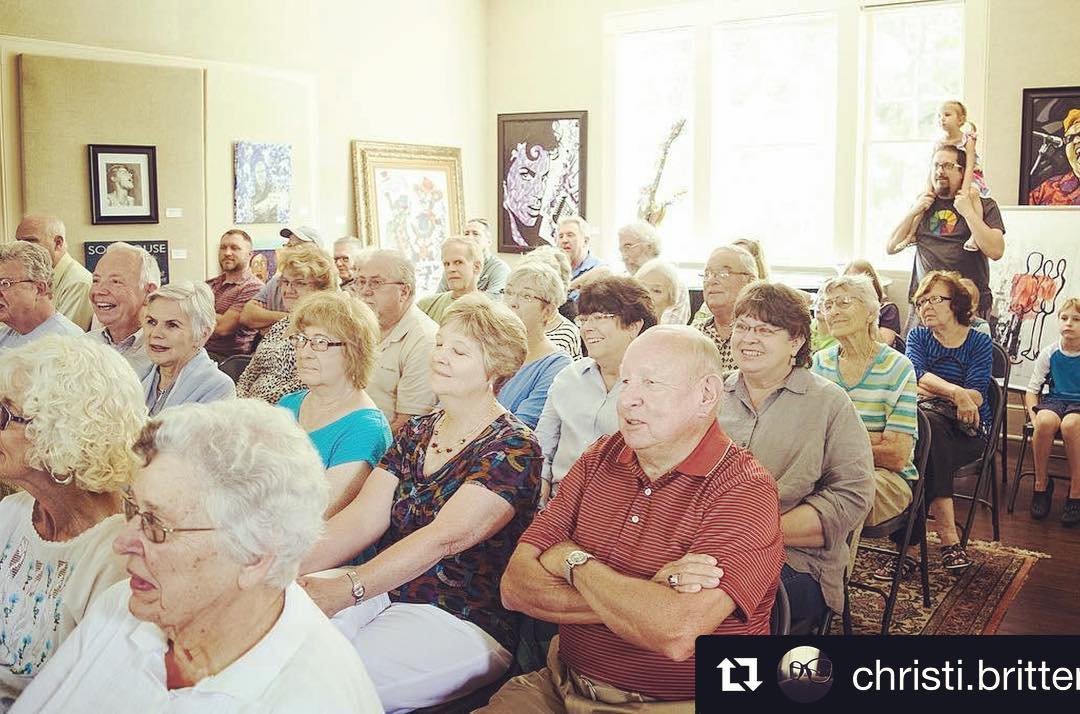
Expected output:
(578, 557)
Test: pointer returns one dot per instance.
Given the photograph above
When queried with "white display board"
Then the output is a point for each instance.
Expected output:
(1040, 269)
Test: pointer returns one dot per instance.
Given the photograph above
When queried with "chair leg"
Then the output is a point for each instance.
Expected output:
(846, 615)
(1005, 448)
(1019, 468)
(994, 500)
(924, 568)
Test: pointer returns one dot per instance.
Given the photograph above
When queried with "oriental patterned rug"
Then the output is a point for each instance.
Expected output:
(972, 602)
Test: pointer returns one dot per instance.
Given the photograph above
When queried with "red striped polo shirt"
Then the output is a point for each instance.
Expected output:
(719, 501)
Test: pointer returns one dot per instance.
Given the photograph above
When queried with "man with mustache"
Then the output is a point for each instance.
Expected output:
(232, 289)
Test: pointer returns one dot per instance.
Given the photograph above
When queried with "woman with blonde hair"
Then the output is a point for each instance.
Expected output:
(336, 338)
(70, 411)
(560, 327)
(446, 507)
(178, 320)
(671, 302)
(271, 373)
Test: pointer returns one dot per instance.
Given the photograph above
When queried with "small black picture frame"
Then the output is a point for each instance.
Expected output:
(1049, 166)
(123, 184)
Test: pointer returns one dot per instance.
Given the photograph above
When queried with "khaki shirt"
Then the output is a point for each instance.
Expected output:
(71, 291)
(401, 383)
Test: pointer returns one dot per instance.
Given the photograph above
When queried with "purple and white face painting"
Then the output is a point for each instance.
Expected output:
(524, 185)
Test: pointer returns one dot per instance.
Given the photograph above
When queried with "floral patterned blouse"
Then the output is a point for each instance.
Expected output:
(505, 459)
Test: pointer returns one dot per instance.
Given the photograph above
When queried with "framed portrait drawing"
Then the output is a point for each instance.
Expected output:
(1049, 146)
(408, 197)
(541, 176)
(263, 175)
(123, 184)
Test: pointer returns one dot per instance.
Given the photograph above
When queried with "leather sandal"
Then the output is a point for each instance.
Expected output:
(888, 571)
(1041, 500)
(954, 557)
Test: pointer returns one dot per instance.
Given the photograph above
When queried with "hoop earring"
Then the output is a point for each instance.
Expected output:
(61, 482)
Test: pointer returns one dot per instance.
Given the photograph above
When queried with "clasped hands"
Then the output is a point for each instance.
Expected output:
(693, 572)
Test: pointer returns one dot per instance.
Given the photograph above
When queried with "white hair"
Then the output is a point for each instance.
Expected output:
(473, 250)
(545, 282)
(406, 272)
(149, 271)
(861, 287)
(746, 257)
(196, 301)
(35, 260)
(260, 478)
(354, 247)
(665, 271)
(644, 233)
(582, 224)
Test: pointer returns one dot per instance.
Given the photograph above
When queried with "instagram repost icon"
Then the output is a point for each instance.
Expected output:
(805, 674)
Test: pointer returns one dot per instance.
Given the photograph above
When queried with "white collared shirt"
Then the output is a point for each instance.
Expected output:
(579, 410)
(115, 663)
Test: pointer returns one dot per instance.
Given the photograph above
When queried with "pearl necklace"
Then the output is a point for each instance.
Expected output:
(437, 433)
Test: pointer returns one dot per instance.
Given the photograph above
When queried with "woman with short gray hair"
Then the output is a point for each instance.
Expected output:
(178, 320)
(227, 502)
(671, 300)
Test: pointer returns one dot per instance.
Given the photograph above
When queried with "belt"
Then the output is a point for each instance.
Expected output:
(599, 691)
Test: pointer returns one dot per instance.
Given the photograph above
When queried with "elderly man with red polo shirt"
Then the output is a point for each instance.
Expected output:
(626, 557)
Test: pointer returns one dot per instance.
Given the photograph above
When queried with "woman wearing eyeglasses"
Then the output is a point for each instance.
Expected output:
(445, 507)
(580, 407)
(534, 292)
(335, 337)
(953, 364)
(271, 373)
(69, 412)
(177, 321)
(806, 432)
(228, 499)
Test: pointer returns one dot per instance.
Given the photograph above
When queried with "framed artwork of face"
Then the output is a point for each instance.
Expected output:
(1050, 147)
(123, 184)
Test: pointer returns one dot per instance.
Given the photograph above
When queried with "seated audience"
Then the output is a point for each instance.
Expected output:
(179, 318)
(573, 238)
(702, 555)
(268, 307)
(462, 260)
(400, 385)
(889, 316)
(228, 501)
(953, 364)
(232, 289)
(977, 323)
(26, 306)
(348, 254)
(534, 292)
(69, 413)
(639, 243)
(881, 384)
(805, 431)
(561, 328)
(334, 336)
(671, 301)
(271, 373)
(1059, 410)
(445, 507)
(753, 247)
(494, 271)
(123, 278)
(71, 281)
(581, 400)
(727, 271)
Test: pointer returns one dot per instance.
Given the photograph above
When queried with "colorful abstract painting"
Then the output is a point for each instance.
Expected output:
(263, 185)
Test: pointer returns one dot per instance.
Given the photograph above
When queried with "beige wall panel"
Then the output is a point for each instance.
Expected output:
(67, 104)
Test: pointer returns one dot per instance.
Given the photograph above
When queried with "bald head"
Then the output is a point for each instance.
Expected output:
(46, 231)
(692, 353)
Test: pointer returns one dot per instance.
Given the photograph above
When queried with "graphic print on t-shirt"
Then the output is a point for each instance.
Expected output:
(943, 222)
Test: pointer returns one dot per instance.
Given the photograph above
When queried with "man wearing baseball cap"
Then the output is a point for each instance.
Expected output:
(267, 307)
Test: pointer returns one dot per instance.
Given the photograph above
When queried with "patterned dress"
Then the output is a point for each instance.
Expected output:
(506, 460)
(271, 373)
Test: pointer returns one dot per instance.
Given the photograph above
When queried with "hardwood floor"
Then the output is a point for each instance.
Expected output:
(1049, 602)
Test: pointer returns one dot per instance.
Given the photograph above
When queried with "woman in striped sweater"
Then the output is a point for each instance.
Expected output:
(952, 362)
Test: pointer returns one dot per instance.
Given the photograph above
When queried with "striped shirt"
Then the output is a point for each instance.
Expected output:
(718, 501)
(886, 397)
(566, 337)
(968, 365)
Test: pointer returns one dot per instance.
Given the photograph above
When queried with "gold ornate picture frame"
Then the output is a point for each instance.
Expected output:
(409, 198)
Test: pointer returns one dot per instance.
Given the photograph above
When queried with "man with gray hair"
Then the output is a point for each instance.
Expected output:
(123, 278)
(574, 234)
(728, 270)
(699, 549)
(348, 252)
(495, 271)
(71, 281)
(638, 244)
(26, 306)
(400, 386)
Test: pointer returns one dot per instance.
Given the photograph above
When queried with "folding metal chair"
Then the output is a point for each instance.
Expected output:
(983, 468)
(780, 617)
(1001, 370)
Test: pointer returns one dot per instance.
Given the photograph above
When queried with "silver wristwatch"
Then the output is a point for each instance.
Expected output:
(576, 558)
(357, 587)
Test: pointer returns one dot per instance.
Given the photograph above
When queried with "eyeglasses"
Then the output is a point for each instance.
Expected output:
(298, 284)
(526, 298)
(720, 275)
(844, 301)
(341, 259)
(816, 670)
(8, 283)
(947, 165)
(151, 525)
(6, 416)
(761, 330)
(628, 247)
(1071, 139)
(373, 283)
(583, 320)
(932, 300)
(318, 342)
